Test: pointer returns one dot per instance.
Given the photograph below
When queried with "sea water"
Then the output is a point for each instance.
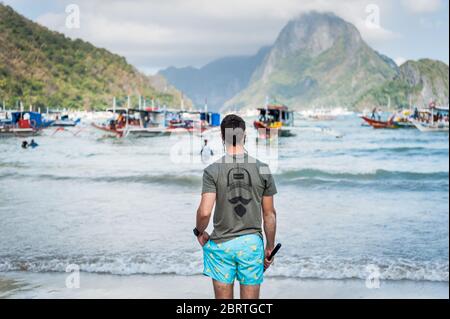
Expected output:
(372, 201)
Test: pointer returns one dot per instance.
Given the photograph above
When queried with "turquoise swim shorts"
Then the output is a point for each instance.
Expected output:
(241, 258)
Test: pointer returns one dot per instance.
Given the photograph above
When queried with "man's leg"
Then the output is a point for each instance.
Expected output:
(250, 292)
(223, 291)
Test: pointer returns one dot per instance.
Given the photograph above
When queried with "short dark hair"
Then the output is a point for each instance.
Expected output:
(233, 130)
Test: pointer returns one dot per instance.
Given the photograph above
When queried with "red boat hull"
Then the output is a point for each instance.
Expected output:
(265, 132)
(379, 124)
(108, 129)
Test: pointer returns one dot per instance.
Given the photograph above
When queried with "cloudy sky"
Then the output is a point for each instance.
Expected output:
(154, 34)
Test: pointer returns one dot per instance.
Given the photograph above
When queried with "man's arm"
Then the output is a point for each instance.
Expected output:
(270, 226)
(204, 215)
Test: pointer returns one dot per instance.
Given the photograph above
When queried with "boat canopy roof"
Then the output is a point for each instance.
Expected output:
(126, 110)
(442, 109)
(118, 110)
(56, 112)
(191, 112)
(436, 109)
(274, 107)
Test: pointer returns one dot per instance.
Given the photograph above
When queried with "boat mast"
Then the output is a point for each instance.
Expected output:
(389, 102)
(182, 101)
(432, 116)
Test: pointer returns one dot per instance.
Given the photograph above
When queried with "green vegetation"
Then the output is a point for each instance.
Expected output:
(328, 79)
(317, 68)
(44, 68)
(418, 83)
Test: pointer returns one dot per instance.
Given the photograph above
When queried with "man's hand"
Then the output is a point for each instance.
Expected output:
(203, 239)
(267, 262)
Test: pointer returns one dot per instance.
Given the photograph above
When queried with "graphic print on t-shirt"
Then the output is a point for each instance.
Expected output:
(239, 185)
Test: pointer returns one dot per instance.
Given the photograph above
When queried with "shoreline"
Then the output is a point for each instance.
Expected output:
(26, 285)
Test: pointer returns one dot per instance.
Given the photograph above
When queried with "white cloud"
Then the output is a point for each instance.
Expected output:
(185, 32)
(422, 6)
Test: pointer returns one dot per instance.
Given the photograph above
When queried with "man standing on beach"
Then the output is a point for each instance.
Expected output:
(242, 189)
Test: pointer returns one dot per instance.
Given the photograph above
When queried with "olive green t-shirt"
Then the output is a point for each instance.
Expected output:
(239, 182)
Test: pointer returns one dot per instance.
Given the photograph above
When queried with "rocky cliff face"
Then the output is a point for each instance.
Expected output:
(418, 83)
(317, 60)
(429, 78)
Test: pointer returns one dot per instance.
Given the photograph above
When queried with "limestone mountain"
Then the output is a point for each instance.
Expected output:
(317, 60)
(45, 68)
(418, 83)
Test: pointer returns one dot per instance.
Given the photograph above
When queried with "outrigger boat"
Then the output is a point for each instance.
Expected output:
(182, 122)
(274, 120)
(135, 122)
(62, 120)
(433, 119)
(380, 124)
(395, 121)
(156, 122)
(23, 124)
(192, 121)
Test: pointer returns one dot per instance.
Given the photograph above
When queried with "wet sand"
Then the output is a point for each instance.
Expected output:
(53, 285)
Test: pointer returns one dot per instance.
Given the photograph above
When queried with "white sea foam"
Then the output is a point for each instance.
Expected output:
(289, 267)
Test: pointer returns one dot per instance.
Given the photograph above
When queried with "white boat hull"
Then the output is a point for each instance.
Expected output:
(145, 132)
(64, 123)
(18, 132)
(428, 128)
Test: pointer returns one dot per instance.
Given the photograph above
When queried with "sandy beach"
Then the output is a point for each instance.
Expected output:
(17, 285)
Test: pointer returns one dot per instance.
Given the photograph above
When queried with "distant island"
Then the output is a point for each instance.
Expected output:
(318, 60)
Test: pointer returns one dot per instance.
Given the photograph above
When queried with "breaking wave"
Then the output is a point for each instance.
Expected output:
(304, 177)
(379, 174)
(287, 266)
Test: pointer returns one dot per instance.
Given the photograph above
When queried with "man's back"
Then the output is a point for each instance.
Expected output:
(242, 190)
(240, 182)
